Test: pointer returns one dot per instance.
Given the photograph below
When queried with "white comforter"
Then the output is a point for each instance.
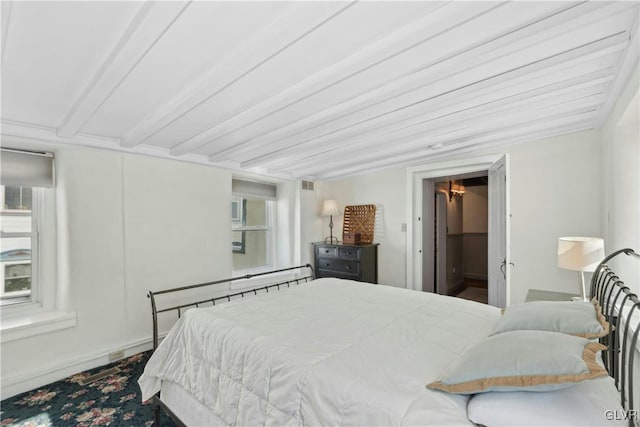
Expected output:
(331, 352)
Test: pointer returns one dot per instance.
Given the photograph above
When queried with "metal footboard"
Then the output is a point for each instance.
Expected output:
(621, 308)
(179, 308)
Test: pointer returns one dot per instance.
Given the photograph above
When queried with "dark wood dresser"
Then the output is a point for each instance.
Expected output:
(355, 262)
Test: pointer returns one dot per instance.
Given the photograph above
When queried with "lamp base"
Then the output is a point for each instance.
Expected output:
(332, 240)
(583, 287)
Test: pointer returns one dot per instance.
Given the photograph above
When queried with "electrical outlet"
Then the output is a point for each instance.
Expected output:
(454, 270)
(116, 355)
(404, 227)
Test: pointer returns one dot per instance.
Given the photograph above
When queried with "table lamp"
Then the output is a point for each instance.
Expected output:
(330, 208)
(580, 254)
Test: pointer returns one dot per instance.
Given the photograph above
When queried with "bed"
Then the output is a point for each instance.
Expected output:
(338, 352)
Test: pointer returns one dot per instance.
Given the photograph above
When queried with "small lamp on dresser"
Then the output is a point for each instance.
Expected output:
(330, 208)
(580, 254)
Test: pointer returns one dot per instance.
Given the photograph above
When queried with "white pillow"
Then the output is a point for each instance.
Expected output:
(523, 360)
(577, 318)
(588, 403)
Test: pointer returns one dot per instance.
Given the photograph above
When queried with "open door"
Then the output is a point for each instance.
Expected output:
(428, 236)
(441, 244)
(499, 258)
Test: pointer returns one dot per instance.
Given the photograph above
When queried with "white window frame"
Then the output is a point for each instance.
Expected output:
(45, 313)
(41, 315)
(270, 228)
(43, 272)
(34, 300)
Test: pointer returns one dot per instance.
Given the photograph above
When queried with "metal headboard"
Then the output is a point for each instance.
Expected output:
(619, 305)
(212, 301)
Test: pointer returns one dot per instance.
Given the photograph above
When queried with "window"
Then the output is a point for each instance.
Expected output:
(251, 232)
(252, 225)
(18, 243)
(24, 179)
(18, 198)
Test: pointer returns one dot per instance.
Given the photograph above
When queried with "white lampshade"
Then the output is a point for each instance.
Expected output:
(580, 253)
(330, 207)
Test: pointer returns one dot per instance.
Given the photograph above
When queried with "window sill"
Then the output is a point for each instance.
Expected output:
(36, 324)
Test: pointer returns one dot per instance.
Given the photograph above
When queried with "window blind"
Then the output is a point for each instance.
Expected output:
(259, 190)
(25, 168)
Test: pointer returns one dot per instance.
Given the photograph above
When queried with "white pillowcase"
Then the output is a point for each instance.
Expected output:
(582, 319)
(585, 404)
(538, 361)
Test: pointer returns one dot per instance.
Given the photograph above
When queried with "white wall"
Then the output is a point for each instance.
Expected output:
(386, 190)
(312, 227)
(555, 191)
(476, 209)
(127, 224)
(621, 166)
(475, 225)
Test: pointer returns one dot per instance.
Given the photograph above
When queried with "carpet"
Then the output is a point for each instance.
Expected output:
(86, 399)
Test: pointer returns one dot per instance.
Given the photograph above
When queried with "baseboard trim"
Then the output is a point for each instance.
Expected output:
(43, 375)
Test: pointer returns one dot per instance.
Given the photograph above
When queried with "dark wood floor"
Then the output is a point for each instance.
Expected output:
(474, 290)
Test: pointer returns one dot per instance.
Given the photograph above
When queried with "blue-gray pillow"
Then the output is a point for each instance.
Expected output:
(523, 360)
(582, 319)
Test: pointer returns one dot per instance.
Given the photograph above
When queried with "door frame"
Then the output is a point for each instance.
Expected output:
(414, 177)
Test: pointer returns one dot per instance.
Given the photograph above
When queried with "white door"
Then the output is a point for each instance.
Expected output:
(499, 259)
(428, 236)
(441, 244)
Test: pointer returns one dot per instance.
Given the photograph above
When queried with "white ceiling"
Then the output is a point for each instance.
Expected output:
(317, 90)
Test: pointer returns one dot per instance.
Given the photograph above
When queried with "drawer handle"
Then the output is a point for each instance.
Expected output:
(348, 267)
(326, 251)
(348, 252)
(327, 265)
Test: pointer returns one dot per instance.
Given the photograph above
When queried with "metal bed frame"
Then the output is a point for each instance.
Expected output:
(619, 304)
(155, 400)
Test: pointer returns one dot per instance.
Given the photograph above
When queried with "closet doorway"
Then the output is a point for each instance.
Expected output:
(421, 232)
(461, 236)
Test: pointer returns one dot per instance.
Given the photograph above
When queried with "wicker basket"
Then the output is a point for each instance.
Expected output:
(360, 219)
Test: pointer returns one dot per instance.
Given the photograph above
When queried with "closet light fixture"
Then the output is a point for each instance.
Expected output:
(455, 190)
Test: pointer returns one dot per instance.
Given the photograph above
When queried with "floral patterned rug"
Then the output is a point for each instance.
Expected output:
(113, 400)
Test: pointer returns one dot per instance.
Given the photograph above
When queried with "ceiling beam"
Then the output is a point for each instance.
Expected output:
(348, 125)
(439, 20)
(507, 142)
(522, 135)
(148, 26)
(628, 62)
(455, 111)
(469, 58)
(19, 131)
(287, 30)
(440, 131)
(448, 136)
(556, 62)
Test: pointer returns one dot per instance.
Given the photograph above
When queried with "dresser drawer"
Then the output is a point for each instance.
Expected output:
(355, 262)
(326, 251)
(349, 253)
(339, 265)
(335, 274)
